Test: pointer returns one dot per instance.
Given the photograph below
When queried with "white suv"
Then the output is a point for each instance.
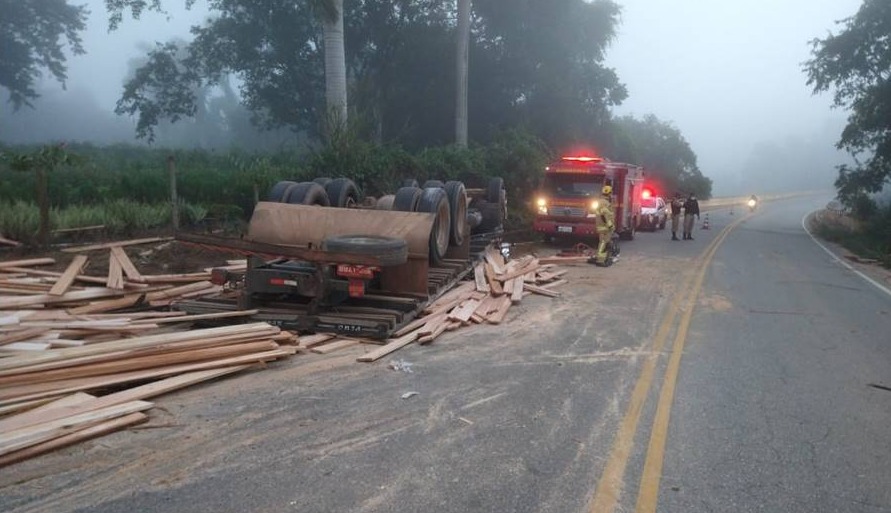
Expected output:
(653, 213)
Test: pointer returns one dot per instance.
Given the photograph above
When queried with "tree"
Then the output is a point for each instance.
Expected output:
(856, 63)
(663, 152)
(463, 40)
(42, 162)
(33, 37)
(335, 63)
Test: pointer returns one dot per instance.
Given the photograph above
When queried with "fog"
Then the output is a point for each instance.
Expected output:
(727, 74)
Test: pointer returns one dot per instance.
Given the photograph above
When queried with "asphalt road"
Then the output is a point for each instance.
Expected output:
(561, 409)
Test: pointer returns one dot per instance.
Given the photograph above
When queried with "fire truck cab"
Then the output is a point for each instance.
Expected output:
(572, 185)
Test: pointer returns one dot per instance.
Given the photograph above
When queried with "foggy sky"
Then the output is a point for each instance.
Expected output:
(727, 74)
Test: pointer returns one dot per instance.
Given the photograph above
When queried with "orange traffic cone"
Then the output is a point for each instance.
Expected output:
(705, 225)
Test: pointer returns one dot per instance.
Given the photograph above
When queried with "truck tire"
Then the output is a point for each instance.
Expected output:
(493, 216)
(308, 193)
(457, 196)
(432, 183)
(407, 199)
(435, 201)
(410, 182)
(323, 181)
(385, 202)
(493, 191)
(343, 193)
(277, 192)
(390, 251)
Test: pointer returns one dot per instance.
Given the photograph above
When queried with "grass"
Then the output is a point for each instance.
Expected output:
(19, 220)
(862, 239)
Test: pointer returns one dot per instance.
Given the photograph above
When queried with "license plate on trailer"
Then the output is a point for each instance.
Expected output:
(356, 271)
(564, 229)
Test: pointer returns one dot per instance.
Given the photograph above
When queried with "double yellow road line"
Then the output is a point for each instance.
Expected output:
(609, 488)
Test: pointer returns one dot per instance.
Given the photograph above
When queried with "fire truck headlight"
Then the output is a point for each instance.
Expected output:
(542, 206)
(595, 205)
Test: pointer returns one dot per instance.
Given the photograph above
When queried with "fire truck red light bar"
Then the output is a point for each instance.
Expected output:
(583, 159)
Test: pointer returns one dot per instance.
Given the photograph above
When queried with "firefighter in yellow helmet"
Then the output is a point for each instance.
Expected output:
(606, 225)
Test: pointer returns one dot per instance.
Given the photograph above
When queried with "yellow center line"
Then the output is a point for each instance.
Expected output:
(609, 487)
(648, 494)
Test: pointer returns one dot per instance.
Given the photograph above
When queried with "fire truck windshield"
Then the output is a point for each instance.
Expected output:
(573, 185)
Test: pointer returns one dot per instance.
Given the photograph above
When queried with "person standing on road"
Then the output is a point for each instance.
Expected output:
(691, 208)
(606, 226)
(676, 206)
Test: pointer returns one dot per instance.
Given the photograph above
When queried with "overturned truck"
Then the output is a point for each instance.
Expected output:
(322, 258)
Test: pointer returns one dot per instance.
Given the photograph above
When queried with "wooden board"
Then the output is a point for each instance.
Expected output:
(541, 290)
(517, 294)
(126, 264)
(479, 277)
(501, 312)
(308, 341)
(392, 345)
(109, 245)
(463, 312)
(27, 262)
(67, 278)
(334, 345)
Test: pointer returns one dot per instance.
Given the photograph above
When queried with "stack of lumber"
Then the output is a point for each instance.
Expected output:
(47, 398)
(496, 287)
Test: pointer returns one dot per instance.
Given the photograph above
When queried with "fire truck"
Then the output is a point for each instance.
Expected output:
(571, 189)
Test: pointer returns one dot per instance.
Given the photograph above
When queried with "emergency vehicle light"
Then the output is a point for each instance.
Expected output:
(583, 159)
(646, 194)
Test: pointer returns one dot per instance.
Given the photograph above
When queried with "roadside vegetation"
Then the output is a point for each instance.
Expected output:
(853, 65)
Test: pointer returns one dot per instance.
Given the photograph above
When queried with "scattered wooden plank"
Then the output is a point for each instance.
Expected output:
(463, 312)
(479, 277)
(9, 242)
(541, 290)
(501, 312)
(146, 391)
(27, 262)
(107, 306)
(554, 284)
(201, 317)
(115, 278)
(508, 287)
(125, 263)
(309, 341)
(64, 282)
(93, 431)
(495, 287)
(25, 334)
(564, 260)
(15, 347)
(109, 245)
(178, 291)
(427, 335)
(174, 278)
(517, 295)
(531, 266)
(392, 345)
(335, 345)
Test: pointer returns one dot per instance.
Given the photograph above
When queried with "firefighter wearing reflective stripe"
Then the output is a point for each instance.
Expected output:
(606, 225)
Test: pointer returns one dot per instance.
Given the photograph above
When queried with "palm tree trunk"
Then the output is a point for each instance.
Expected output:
(335, 68)
(461, 97)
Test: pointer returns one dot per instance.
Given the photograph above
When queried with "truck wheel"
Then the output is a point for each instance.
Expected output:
(493, 216)
(308, 193)
(324, 181)
(493, 191)
(343, 193)
(407, 198)
(435, 201)
(390, 251)
(410, 182)
(432, 183)
(277, 192)
(457, 195)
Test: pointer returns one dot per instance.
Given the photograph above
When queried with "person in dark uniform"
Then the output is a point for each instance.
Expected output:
(691, 208)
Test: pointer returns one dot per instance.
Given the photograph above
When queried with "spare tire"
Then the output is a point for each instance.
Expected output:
(343, 193)
(277, 192)
(407, 199)
(390, 251)
(308, 193)
(323, 181)
(435, 201)
(410, 182)
(433, 183)
(457, 195)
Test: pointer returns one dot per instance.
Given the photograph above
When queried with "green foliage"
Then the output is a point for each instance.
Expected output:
(870, 239)
(32, 39)
(663, 152)
(854, 64)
